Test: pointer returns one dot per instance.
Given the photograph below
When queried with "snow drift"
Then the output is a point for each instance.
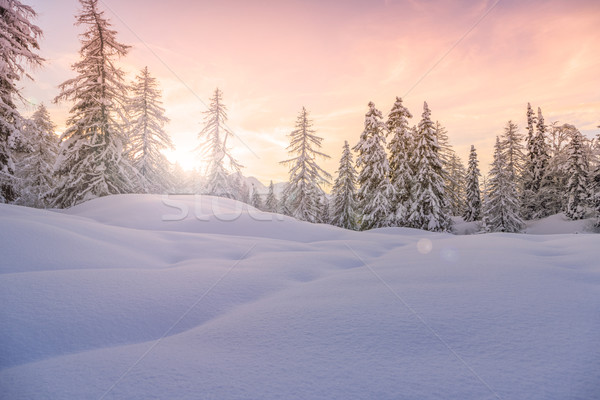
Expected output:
(145, 297)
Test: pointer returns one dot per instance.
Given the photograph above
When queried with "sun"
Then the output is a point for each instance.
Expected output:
(188, 160)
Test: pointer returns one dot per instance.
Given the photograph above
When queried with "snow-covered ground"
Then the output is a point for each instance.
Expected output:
(124, 298)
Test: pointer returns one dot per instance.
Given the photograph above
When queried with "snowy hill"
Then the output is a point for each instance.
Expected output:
(141, 297)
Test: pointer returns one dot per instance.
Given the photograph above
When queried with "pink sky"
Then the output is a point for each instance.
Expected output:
(270, 58)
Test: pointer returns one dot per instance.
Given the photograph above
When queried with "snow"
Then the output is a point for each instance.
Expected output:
(116, 299)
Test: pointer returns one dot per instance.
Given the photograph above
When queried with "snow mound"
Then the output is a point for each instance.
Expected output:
(199, 214)
(558, 224)
(110, 300)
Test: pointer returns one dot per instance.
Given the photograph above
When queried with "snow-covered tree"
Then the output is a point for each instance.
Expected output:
(147, 137)
(36, 169)
(222, 167)
(537, 181)
(454, 185)
(473, 194)
(181, 180)
(401, 172)
(445, 148)
(343, 213)
(271, 201)
(375, 190)
(577, 186)
(256, 199)
(512, 144)
(453, 171)
(283, 205)
(91, 163)
(595, 192)
(429, 208)
(18, 43)
(306, 177)
(324, 214)
(501, 208)
(244, 195)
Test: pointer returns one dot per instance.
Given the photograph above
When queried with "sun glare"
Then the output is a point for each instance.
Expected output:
(186, 159)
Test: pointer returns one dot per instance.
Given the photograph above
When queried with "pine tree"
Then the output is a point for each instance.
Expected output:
(429, 208)
(344, 193)
(180, 179)
(324, 216)
(245, 194)
(528, 192)
(215, 135)
(453, 171)
(511, 142)
(147, 137)
(454, 185)
(473, 194)
(90, 163)
(283, 206)
(375, 190)
(445, 148)
(501, 209)
(256, 200)
(531, 121)
(271, 201)
(537, 183)
(595, 192)
(401, 171)
(36, 169)
(18, 43)
(577, 186)
(306, 177)
(543, 186)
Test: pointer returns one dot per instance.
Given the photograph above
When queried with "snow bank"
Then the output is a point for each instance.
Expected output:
(118, 299)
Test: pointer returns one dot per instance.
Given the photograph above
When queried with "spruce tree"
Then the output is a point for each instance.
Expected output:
(537, 195)
(18, 43)
(271, 201)
(513, 148)
(454, 185)
(147, 137)
(244, 195)
(543, 185)
(429, 208)
(501, 209)
(473, 194)
(528, 193)
(306, 177)
(595, 193)
(256, 200)
(375, 190)
(343, 210)
(556, 176)
(283, 206)
(577, 186)
(324, 214)
(401, 171)
(453, 171)
(90, 163)
(445, 148)
(222, 167)
(36, 169)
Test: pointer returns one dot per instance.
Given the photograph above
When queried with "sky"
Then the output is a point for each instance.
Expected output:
(476, 63)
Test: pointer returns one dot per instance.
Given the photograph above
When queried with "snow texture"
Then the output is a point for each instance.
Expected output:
(120, 298)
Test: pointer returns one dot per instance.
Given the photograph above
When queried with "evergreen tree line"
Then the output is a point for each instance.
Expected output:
(115, 132)
(417, 180)
(404, 175)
